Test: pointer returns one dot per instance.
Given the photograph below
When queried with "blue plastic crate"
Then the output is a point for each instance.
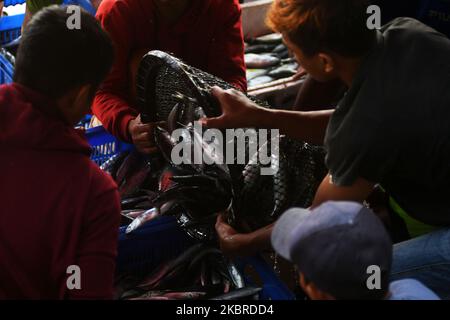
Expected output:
(13, 2)
(162, 240)
(10, 25)
(6, 70)
(104, 145)
(146, 248)
(10, 28)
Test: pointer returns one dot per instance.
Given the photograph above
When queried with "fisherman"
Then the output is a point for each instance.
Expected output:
(205, 34)
(355, 254)
(315, 95)
(390, 129)
(59, 217)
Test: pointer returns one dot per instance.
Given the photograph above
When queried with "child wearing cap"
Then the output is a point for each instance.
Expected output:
(343, 252)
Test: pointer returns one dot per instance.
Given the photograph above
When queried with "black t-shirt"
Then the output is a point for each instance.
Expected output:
(391, 9)
(393, 125)
(434, 13)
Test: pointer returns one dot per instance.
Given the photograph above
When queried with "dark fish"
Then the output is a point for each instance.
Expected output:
(184, 295)
(165, 143)
(131, 203)
(203, 274)
(284, 54)
(259, 48)
(133, 174)
(247, 293)
(170, 295)
(280, 48)
(273, 38)
(133, 214)
(165, 269)
(131, 161)
(253, 73)
(172, 120)
(260, 61)
(113, 164)
(283, 71)
(202, 254)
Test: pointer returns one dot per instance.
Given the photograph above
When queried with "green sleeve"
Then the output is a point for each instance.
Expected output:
(35, 5)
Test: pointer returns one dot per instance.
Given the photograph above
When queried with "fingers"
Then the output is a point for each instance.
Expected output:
(300, 73)
(142, 135)
(226, 96)
(217, 92)
(219, 219)
(218, 122)
(223, 229)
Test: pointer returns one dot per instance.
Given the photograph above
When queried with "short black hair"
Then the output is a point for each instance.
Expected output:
(53, 59)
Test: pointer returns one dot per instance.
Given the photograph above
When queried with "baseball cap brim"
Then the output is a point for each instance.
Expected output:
(284, 231)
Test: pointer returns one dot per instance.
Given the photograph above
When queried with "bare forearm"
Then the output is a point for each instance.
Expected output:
(306, 126)
(357, 192)
(261, 239)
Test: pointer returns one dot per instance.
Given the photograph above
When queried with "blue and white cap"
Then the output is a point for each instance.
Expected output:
(334, 246)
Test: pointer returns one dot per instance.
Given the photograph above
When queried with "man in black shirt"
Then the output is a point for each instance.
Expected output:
(391, 128)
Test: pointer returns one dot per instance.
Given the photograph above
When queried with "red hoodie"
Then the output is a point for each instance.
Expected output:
(57, 208)
(208, 36)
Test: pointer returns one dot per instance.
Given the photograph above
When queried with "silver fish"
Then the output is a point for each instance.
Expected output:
(142, 219)
(260, 61)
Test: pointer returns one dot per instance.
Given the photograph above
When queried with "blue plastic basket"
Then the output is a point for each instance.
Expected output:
(146, 248)
(162, 240)
(6, 70)
(104, 145)
(10, 25)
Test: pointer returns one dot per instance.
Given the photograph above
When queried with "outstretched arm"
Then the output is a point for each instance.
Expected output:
(240, 112)
(233, 243)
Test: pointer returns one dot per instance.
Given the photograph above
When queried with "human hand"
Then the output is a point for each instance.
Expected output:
(238, 111)
(142, 135)
(232, 243)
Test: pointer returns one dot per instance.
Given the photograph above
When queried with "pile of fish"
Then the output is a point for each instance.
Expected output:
(201, 272)
(267, 59)
(152, 186)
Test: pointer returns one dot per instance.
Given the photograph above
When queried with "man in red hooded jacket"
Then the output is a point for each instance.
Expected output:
(59, 214)
(204, 33)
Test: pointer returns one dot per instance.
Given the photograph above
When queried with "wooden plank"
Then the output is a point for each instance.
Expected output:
(254, 17)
